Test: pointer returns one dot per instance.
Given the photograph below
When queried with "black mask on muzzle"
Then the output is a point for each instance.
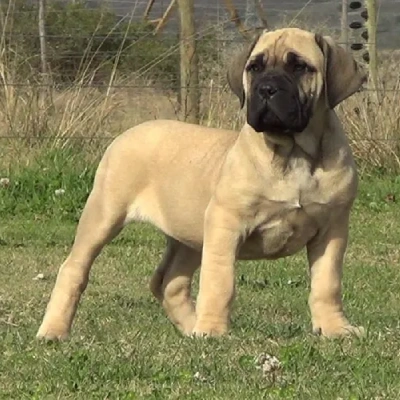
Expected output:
(275, 106)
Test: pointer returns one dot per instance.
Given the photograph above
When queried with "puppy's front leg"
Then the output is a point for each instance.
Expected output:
(217, 275)
(325, 255)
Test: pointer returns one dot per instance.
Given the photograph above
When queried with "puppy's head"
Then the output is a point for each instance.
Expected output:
(285, 74)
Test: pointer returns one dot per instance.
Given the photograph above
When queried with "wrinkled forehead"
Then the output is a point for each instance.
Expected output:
(277, 44)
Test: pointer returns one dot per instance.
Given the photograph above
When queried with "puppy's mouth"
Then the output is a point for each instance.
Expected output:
(275, 106)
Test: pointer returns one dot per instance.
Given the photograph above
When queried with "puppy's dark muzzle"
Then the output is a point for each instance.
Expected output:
(267, 90)
(275, 105)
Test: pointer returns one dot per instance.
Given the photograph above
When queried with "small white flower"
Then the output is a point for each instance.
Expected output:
(198, 376)
(267, 363)
(59, 192)
(4, 182)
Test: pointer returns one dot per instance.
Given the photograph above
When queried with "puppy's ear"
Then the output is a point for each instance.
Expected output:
(236, 69)
(343, 76)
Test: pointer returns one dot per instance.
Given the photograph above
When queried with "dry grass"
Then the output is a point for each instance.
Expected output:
(373, 126)
(372, 118)
(62, 116)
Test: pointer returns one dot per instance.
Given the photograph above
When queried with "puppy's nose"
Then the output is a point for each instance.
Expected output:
(267, 90)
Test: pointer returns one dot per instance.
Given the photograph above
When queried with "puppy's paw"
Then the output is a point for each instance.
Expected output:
(339, 330)
(206, 330)
(186, 327)
(52, 334)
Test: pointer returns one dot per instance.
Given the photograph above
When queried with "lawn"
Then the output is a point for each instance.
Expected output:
(123, 347)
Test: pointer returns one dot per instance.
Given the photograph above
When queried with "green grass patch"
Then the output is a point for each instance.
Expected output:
(122, 345)
(52, 183)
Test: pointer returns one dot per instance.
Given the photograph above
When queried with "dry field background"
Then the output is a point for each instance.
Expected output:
(93, 114)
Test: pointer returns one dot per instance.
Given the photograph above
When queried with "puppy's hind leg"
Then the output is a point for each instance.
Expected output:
(172, 281)
(156, 282)
(102, 219)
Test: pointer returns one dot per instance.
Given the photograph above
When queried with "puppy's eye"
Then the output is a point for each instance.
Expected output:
(254, 67)
(300, 67)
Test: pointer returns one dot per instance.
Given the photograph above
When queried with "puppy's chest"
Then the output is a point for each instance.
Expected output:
(298, 191)
(289, 214)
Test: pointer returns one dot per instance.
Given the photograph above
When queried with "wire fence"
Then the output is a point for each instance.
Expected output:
(117, 32)
(107, 62)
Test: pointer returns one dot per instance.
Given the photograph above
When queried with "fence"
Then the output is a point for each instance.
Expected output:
(75, 71)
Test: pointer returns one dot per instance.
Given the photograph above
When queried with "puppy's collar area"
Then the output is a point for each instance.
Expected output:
(269, 138)
(309, 140)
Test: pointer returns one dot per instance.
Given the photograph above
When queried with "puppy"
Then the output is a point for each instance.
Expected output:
(285, 182)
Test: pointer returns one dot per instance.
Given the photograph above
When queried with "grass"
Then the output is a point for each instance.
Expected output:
(123, 347)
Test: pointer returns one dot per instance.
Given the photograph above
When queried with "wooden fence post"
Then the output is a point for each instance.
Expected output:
(42, 37)
(189, 65)
(344, 25)
(43, 53)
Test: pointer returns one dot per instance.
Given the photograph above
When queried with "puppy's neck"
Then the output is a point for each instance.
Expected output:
(279, 150)
(308, 141)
